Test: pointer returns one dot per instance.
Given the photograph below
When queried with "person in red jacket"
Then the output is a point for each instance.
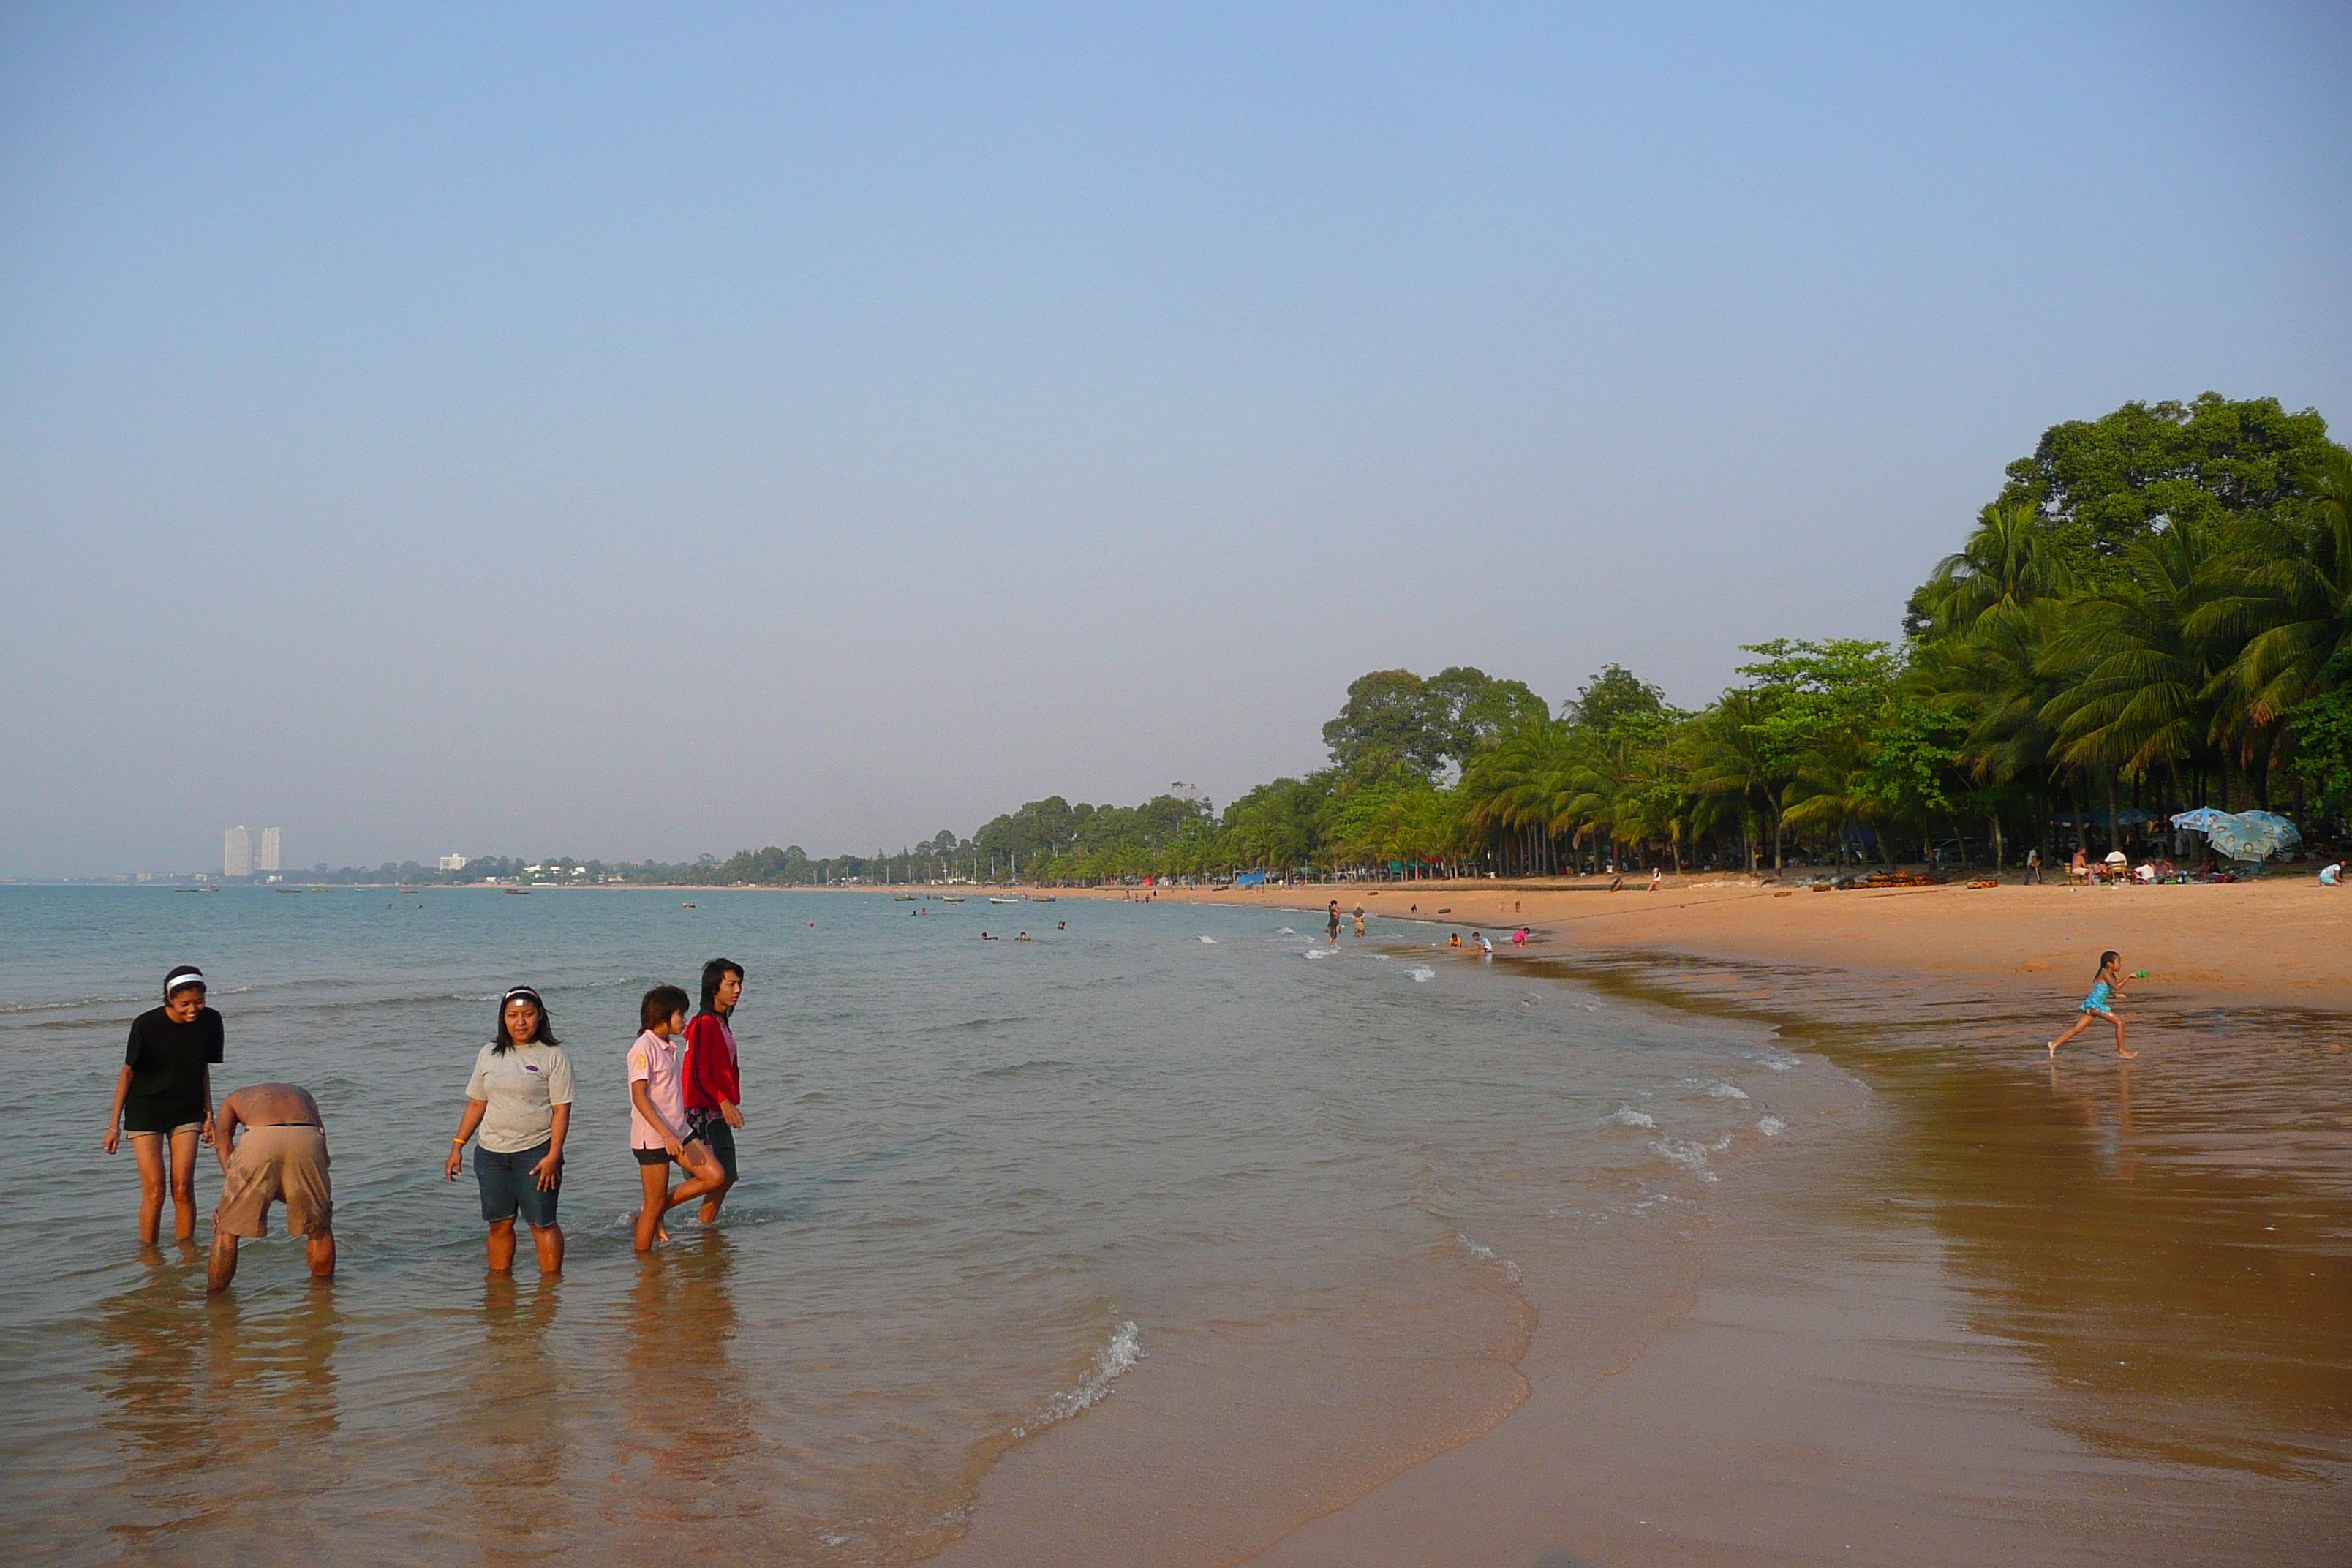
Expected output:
(714, 1091)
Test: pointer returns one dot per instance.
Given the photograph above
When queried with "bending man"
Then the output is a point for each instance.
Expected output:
(283, 1154)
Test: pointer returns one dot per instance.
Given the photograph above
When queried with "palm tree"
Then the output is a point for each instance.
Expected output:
(2292, 598)
(2009, 562)
(1730, 765)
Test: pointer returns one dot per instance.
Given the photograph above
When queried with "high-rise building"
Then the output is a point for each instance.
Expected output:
(451, 863)
(237, 852)
(273, 841)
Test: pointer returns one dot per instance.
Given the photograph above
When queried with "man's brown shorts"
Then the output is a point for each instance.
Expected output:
(270, 1164)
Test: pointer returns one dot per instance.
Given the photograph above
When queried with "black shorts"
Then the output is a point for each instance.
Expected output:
(710, 1127)
(655, 1156)
(144, 1114)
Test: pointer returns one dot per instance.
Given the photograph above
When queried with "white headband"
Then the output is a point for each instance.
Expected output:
(182, 980)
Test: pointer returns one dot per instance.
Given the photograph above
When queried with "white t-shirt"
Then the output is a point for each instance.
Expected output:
(523, 1086)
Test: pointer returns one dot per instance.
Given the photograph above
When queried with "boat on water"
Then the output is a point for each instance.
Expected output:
(994, 900)
(950, 897)
(1047, 900)
(518, 892)
(902, 897)
(408, 889)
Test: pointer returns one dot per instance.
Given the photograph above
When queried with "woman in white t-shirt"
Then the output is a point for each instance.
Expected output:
(657, 1130)
(520, 1098)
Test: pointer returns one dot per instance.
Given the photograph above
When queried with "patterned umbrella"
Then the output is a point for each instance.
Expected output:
(2242, 837)
(2200, 820)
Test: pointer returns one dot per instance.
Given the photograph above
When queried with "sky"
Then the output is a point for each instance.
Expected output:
(585, 430)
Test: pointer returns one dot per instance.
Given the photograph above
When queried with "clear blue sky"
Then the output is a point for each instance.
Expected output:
(580, 430)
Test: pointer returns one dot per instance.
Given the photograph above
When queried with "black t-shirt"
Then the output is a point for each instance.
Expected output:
(167, 1061)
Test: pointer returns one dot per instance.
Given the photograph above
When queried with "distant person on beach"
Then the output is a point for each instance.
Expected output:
(1519, 937)
(1656, 877)
(163, 1099)
(283, 1156)
(1485, 947)
(2106, 988)
(2032, 867)
(657, 1117)
(520, 1098)
(714, 1088)
(2332, 876)
(1455, 940)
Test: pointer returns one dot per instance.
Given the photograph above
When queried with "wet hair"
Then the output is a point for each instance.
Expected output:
(662, 1004)
(501, 1042)
(180, 977)
(2104, 959)
(714, 974)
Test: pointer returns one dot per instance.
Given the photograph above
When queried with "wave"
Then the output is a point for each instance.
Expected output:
(1626, 1116)
(1725, 1091)
(1284, 930)
(1771, 1126)
(1421, 974)
(1042, 1065)
(1210, 940)
(1117, 1357)
(1690, 1156)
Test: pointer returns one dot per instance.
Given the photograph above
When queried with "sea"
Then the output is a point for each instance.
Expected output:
(1188, 1157)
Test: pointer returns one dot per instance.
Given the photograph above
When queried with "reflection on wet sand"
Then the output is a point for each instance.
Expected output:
(508, 1435)
(223, 1408)
(2170, 1239)
(689, 1425)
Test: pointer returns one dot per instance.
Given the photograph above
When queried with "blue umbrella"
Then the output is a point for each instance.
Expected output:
(2242, 837)
(2288, 834)
(2200, 820)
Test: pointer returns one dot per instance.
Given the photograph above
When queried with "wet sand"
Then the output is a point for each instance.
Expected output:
(1980, 1310)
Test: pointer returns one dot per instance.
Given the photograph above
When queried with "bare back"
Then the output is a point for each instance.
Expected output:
(273, 1105)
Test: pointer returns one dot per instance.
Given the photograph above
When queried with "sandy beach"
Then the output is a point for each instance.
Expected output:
(1980, 1309)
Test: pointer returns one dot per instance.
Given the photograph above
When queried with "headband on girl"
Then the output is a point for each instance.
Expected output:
(523, 993)
(181, 978)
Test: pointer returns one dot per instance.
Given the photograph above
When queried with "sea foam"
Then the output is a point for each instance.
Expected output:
(1120, 1353)
(1626, 1116)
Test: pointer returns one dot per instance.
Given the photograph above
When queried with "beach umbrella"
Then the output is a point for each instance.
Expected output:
(2288, 834)
(2200, 820)
(2243, 840)
(2116, 857)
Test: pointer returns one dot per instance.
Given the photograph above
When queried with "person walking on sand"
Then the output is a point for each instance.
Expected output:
(2105, 987)
(2033, 867)
(714, 1089)
(282, 1155)
(658, 1115)
(520, 1098)
(163, 1099)
(1656, 877)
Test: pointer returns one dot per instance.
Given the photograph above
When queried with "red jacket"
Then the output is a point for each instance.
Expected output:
(710, 1074)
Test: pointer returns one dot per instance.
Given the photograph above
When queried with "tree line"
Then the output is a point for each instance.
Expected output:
(2153, 613)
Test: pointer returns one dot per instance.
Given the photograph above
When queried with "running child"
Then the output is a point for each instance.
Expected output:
(657, 1113)
(2105, 987)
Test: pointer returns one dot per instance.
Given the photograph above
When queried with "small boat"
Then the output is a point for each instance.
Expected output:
(404, 889)
(902, 897)
(518, 892)
(994, 900)
(686, 906)
(1047, 900)
(944, 898)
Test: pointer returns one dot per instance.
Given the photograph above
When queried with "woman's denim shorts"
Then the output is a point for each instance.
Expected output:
(510, 1188)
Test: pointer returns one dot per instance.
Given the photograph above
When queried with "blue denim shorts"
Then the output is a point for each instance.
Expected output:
(509, 1188)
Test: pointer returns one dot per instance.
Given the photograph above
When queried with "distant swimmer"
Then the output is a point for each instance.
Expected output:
(163, 1099)
(282, 1157)
(985, 937)
(1454, 941)
(1061, 925)
(1023, 937)
(2105, 987)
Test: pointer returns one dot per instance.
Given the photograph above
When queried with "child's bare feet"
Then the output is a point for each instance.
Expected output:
(2128, 1055)
(2053, 1050)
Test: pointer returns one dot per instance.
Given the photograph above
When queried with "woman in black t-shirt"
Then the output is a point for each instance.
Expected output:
(163, 1098)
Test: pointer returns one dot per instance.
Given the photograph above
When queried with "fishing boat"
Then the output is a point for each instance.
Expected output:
(518, 892)
(994, 900)
(902, 897)
(1045, 900)
(950, 897)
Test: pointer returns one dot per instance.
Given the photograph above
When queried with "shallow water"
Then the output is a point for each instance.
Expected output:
(981, 1182)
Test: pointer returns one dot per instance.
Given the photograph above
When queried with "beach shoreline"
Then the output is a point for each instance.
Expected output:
(1854, 1373)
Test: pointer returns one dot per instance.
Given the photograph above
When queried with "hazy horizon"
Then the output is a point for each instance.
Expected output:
(629, 436)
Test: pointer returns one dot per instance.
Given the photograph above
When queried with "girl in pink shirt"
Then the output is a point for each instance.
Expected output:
(657, 1116)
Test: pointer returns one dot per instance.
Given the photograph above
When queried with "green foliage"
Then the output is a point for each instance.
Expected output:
(1394, 717)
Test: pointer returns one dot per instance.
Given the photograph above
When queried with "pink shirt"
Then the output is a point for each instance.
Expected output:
(654, 1061)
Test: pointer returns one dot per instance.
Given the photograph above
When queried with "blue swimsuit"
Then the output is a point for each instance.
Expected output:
(2096, 1002)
